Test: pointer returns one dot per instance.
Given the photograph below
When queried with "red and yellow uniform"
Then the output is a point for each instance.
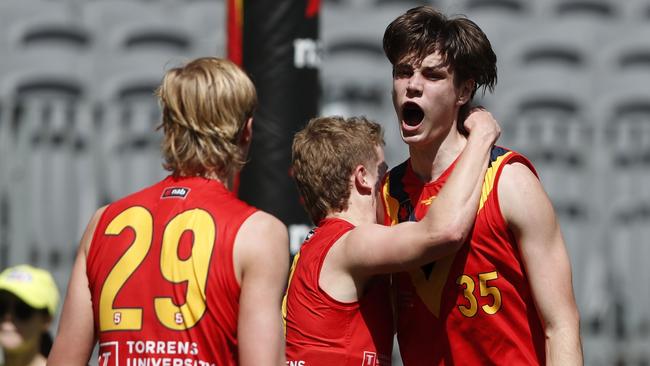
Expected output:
(323, 331)
(474, 307)
(161, 275)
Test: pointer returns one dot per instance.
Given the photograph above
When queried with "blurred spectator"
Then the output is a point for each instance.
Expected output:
(28, 302)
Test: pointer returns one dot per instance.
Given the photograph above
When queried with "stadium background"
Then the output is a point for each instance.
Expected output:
(76, 108)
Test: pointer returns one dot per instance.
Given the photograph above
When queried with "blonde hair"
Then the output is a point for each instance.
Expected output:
(325, 154)
(205, 105)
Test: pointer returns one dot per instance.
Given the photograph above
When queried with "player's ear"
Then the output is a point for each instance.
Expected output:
(246, 134)
(361, 182)
(465, 92)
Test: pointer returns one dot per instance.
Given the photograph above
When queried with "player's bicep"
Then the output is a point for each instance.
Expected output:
(261, 249)
(524, 203)
(75, 338)
(531, 217)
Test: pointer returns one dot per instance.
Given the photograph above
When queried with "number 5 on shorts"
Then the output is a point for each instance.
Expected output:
(193, 270)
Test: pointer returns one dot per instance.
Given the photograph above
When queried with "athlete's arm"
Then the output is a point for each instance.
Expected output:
(531, 217)
(75, 339)
(371, 249)
(261, 257)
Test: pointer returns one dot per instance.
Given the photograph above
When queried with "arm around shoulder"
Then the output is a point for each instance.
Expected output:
(75, 338)
(530, 215)
(374, 249)
(261, 258)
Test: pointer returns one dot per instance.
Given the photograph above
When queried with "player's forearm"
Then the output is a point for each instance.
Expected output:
(261, 342)
(75, 338)
(563, 346)
(456, 205)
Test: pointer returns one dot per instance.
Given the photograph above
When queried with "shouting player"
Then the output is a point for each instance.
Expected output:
(505, 298)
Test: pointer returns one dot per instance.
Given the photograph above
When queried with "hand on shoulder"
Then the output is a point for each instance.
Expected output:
(482, 124)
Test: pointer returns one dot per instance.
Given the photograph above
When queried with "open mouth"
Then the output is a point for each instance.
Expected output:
(412, 114)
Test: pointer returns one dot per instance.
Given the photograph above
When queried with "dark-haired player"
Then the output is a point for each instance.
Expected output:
(505, 298)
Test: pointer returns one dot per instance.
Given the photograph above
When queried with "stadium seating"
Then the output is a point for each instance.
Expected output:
(208, 26)
(635, 11)
(501, 20)
(598, 9)
(77, 115)
(127, 116)
(14, 13)
(355, 74)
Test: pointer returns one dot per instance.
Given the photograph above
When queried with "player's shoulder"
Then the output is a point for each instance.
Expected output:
(519, 189)
(86, 240)
(510, 162)
(261, 239)
(263, 224)
(501, 154)
(264, 220)
(516, 174)
(98, 214)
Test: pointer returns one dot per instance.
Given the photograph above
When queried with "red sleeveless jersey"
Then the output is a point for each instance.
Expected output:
(161, 275)
(323, 331)
(474, 307)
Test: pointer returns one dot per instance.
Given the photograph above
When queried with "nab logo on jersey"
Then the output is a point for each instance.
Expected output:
(175, 192)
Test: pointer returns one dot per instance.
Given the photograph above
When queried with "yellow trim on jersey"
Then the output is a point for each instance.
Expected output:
(490, 178)
(430, 289)
(428, 201)
(390, 203)
(284, 300)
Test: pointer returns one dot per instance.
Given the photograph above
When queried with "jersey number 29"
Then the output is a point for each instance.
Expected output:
(193, 270)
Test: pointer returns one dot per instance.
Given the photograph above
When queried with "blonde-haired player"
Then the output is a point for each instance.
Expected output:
(182, 272)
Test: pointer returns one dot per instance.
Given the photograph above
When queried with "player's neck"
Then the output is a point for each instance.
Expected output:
(430, 162)
(226, 181)
(359, 211)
